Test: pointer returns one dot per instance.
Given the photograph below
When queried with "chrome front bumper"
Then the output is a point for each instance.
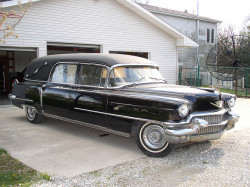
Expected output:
(189, 130)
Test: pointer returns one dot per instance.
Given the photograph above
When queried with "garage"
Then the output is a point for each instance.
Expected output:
(90, 27)
(64, 48)
(13, 61)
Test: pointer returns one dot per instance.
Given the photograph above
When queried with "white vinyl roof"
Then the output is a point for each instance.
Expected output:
(181, 39)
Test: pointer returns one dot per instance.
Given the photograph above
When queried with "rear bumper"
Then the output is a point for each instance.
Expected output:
(194, 129)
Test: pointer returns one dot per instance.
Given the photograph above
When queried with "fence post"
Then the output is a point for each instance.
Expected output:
(190, 78)
(180, 75)
(198, 76)
(247, 82)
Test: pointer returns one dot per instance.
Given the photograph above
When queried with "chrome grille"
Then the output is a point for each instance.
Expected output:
(213, 119)
(211, 129)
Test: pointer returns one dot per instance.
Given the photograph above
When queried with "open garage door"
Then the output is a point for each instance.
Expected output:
(64, 48)
(13, 61)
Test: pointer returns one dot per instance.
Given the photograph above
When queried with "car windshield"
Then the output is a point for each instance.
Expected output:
(130, 75)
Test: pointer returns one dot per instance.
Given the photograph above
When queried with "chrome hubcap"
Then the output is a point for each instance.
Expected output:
(31, 112)
(153, 136)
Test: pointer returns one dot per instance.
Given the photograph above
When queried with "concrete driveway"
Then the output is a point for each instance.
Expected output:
(61, 148)
(65, 149)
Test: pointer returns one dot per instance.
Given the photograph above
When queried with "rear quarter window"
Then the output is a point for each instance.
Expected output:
(64, 73)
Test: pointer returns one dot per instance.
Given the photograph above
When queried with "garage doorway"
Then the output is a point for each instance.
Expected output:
(139, 54)
(13, 61)
(65, 48)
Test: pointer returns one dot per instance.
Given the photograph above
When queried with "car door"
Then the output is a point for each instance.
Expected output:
(56, 93)
(88, 101)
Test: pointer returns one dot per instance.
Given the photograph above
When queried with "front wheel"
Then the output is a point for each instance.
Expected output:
(32, 115)
(150, 138)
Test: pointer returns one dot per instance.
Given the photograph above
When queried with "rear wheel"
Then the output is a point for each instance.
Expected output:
(150, 138)
(32, 115)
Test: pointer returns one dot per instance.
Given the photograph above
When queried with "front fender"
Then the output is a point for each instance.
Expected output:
(145, 107)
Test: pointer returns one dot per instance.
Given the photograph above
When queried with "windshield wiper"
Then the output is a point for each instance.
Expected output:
(139, 80)
(134, 83)
(158, 79)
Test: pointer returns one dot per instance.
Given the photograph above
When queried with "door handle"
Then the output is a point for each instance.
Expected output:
(43, 87)
(75, 87)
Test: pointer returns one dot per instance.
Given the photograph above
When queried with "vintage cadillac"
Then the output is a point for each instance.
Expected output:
(125, 95)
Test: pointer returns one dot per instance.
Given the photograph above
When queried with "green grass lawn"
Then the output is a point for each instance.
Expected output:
(239, 93)
(14, 172)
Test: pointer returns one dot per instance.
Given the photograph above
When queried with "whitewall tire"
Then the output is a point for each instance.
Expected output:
(32, 115)
(150, 138)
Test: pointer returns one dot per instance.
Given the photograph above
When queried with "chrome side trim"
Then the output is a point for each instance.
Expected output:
(41, 97)
(166, 124)
(148, 97)
(121, 116)
(14, 97)
(125, 104)
(87, 125)
(86, 110)
(35, 80)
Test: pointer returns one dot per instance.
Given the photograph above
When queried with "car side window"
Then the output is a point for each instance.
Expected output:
(92, 75)
(64, 73)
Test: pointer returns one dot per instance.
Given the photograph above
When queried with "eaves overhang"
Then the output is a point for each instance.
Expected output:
(188, 17)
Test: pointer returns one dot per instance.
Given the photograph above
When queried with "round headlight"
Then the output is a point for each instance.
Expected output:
(183, 110)
(231, 102)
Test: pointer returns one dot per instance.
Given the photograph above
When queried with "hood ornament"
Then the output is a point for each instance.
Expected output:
(218, 104)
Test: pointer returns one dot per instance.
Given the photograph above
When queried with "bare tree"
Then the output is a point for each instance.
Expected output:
(237, 50)
(9, 20)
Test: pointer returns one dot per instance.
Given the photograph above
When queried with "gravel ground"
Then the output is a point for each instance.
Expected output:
(224, 162)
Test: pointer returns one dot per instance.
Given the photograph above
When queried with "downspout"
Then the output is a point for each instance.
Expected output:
(197, 35)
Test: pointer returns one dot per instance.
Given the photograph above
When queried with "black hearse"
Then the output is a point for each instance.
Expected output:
(125, 95)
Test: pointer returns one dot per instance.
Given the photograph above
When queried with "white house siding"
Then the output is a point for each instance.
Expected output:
(101, 22)
(187, 26)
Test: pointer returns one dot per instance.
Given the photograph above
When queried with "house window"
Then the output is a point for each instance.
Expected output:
(208, 35)
(202, 32)
(212, 36)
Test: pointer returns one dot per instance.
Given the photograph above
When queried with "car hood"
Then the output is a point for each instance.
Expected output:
(201, 98)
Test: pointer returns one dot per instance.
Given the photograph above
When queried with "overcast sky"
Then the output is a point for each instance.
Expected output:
(231, 12)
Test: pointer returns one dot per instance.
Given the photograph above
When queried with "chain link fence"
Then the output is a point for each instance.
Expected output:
(201, 77)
